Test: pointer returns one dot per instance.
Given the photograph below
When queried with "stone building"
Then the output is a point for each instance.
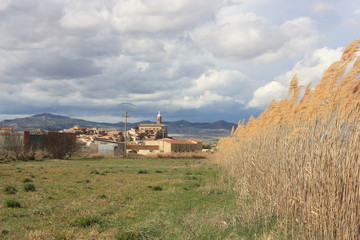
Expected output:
(175, 145)
(153, 131)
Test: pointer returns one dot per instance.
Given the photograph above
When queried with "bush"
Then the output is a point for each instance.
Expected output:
(157, 188)
(145, 233)
(59, 145)
(27, 180)
(29, 187)
(94, 172)
(143, 172)
(12, 204)
(12, 145)
(102, 196)
(192, 178)
(89, 221)
(10, 189)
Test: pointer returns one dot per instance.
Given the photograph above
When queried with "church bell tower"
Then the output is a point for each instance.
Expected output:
(158, 118)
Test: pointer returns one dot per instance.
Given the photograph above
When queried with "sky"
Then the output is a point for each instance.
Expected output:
(200, 61)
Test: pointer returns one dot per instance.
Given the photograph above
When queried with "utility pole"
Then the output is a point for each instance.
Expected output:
(126, 107)
(163, 133)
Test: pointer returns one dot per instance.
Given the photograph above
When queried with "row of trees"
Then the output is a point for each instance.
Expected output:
(53, 145)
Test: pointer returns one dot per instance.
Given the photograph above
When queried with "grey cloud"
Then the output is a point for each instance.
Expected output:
(159, 16)
(82, 57)
(60, 67)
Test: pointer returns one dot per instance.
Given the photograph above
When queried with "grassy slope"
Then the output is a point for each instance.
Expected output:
(71, 201)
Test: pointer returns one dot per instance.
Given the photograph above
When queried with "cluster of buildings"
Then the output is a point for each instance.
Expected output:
(143, 139)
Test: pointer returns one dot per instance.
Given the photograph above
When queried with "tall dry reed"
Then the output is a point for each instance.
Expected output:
(311, 182)
(300, 160)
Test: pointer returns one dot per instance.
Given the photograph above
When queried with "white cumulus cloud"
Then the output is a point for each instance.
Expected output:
(84, 19)
(309, 69)
(239, 35)
(321, 7)
(158, 15)
(265, 94)
(4, 4)
(225, 82)
(208, 98)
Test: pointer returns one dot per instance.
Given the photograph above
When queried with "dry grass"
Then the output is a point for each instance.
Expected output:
(299, 161)
(181, 155)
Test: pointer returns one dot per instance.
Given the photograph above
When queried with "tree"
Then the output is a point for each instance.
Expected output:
(12, 144)
(59, 145)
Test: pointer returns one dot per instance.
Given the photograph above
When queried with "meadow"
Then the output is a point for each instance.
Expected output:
(121, 199)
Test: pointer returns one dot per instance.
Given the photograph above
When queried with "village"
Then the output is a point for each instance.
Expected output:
(143, 139)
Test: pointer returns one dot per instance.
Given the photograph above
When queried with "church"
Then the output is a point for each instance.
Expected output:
(154, 131)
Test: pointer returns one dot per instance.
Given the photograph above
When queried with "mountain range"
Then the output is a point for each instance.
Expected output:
(181, 129)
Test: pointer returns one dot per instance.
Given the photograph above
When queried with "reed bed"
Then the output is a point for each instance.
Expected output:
(298, 162)
(308, 179)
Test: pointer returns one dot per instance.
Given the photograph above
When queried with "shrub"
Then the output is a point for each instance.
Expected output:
(145, 233)
(29, 187)
(83, 181)
(143, 172)
(192, 178)
(157, 188)
(11, 203)
(27, 180)
(89, 221)
(12, 145)
(10, 189)
(59, 145)
(102, 196)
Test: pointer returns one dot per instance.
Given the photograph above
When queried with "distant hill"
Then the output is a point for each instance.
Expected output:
(182, 128)
(49, 121)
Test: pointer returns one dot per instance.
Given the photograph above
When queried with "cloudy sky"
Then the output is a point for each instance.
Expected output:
(202, 60)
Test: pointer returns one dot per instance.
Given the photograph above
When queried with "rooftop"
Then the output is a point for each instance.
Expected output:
(176, 141)
(143, 147)
(152, 125)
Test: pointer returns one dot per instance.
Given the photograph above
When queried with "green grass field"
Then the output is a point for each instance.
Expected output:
(119, 199)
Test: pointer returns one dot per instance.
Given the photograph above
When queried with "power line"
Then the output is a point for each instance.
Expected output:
(21, 62)
(126, 107)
